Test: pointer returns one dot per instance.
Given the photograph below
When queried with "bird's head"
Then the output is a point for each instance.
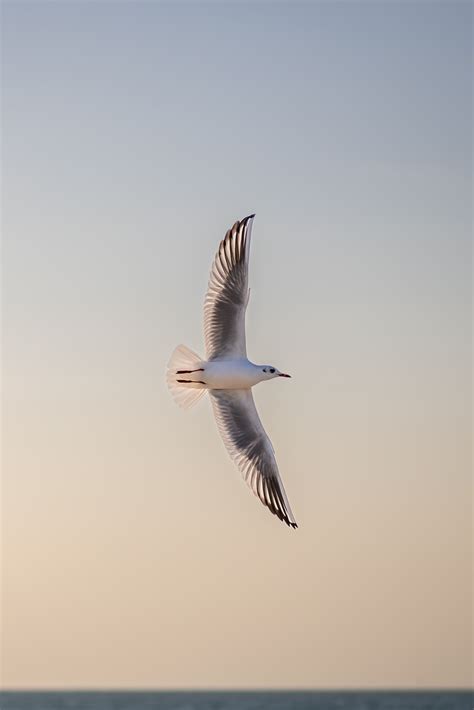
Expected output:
(268, 372)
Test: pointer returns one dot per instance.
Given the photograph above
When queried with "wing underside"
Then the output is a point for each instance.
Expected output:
(227, 295)
(251, 449)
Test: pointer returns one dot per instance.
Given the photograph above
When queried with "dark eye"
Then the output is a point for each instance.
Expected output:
(264, 369)
(272, 370)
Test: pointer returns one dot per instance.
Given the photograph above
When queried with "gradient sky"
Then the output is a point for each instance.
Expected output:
(134, 134)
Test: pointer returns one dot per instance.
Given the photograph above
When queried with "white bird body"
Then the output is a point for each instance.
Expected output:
(232, 374)
(228, 375)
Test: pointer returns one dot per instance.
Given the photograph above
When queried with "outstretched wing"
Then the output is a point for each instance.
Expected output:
(227, 295)
(251, 449)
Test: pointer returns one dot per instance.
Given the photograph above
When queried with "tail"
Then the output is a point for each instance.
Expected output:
(184, 377)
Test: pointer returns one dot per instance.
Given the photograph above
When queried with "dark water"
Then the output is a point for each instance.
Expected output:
(314, 700)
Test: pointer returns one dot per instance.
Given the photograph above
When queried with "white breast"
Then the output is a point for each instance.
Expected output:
(230, 374)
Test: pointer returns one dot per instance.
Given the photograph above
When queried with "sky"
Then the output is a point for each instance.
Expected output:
(134, 135)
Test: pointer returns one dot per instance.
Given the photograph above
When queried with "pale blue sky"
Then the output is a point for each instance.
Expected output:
(134, 134)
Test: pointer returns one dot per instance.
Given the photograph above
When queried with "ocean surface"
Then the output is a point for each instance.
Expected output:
(304, 700)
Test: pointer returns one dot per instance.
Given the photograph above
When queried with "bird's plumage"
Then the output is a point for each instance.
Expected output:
(250, 448)
(227, 295)
(228, 375)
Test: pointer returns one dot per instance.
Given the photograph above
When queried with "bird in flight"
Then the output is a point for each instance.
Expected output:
(229, 376)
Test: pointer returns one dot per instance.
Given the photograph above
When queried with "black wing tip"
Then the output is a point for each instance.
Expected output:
(291, 525)
(244, 221)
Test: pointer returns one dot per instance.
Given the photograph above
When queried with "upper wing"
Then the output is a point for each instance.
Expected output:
(251, 449)
(227, 294)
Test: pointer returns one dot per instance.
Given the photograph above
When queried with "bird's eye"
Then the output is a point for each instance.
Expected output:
(272, 370)
(264, 369)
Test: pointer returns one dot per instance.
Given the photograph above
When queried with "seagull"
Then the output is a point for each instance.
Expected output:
(228, 375)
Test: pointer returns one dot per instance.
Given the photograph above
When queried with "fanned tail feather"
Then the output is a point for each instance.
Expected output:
(185, 387)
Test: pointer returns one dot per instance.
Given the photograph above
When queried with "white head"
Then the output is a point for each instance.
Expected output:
(268, 372)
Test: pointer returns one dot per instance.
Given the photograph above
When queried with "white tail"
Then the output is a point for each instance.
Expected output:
(185, 393)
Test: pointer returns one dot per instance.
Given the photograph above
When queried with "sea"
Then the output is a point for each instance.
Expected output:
(217, 700)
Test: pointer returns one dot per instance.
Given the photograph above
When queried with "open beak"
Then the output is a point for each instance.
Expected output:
(282, 374)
